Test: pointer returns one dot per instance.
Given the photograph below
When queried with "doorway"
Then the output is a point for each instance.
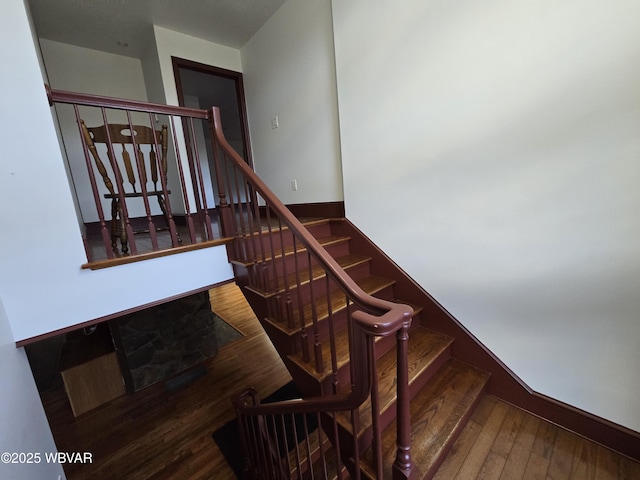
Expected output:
(203, 86)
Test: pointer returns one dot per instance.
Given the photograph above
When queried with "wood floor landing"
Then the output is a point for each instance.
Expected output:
(159, 435)
(167, 435)
(502, 442)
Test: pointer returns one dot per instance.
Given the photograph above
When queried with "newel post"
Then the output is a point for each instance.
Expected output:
(224, 210)
(403, 466)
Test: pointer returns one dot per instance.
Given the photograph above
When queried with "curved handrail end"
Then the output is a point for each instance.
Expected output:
(399, 316)
(239, 399)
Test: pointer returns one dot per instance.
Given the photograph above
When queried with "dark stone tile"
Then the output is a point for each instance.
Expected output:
(165, 339)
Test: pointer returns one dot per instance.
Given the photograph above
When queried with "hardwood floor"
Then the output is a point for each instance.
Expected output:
(167, 435)
(97, 250)
(502, 442)
(96, 247)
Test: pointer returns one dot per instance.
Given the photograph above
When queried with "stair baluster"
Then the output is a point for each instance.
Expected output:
(326, 332)
(403, 466)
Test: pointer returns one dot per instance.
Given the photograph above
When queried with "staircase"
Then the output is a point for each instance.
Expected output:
(383, 395)
(366, 351)
(288, 285)
(387, 377)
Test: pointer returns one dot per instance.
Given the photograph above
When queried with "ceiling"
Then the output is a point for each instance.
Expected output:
(124, 27)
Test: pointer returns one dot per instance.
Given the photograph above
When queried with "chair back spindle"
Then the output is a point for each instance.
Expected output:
(131, 139)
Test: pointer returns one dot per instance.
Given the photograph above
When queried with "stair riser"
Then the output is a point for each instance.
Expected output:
(264, 241)
(388, 415)
(287, 345)
(324, 384)
(257, 247)
(261, 279)
(343, 377)
(259, 304)
(302, 294)
(292, 324)
(301, 259)
(254, 275)
(430, 472)
(284, 344)
(339, 316)
(276, 308)
(442, 390)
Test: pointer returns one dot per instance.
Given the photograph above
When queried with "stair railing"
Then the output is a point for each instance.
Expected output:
(265, 237)
(258, 221)
(187, 220)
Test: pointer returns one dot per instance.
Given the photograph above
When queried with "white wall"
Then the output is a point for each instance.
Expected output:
(493, 150)
(204, 146)
(83, 70)
(153, 74)
(289, 72)
(174, 44)
(41, 283)
(24, 424)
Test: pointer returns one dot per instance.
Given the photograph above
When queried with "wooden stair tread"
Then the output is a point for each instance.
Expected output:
(309, 451)
(371, 285)
(444, 391)
(290, 250)
(425, 347)
(342, 357)
(318, 272)
(330, 468)
(416, 308)
(274, 229)
(438, 413)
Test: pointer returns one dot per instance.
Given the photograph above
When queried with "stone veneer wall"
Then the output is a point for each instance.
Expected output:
(161, 341)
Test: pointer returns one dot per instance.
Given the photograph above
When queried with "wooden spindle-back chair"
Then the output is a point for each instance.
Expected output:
(151, 151)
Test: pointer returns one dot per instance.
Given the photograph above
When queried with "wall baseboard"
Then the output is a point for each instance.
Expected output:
(319, 209)
(112, 316)
(138, 224)
(504, 383)
(316, 209)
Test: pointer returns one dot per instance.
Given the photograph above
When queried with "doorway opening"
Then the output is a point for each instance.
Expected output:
(203, 86)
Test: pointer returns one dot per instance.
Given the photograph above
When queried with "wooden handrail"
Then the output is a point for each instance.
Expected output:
(392, 315)
(332, 403)
(238, 188)
(61, 96)
(377, 317)
(196, 218)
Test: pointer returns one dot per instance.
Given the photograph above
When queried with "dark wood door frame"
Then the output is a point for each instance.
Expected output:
(179, 63)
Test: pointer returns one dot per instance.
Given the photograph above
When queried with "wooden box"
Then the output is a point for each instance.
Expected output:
(91, 373)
